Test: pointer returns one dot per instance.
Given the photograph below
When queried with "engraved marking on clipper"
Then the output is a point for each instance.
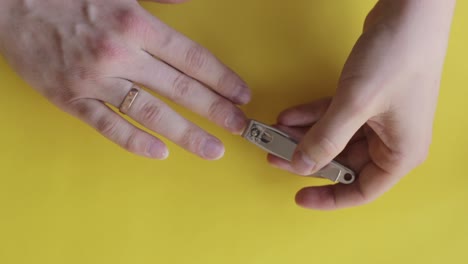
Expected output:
(282, 145)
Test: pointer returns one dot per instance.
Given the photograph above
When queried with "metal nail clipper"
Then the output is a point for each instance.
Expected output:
(282, 145)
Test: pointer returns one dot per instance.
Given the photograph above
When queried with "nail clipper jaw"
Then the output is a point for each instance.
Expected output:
(282, 145)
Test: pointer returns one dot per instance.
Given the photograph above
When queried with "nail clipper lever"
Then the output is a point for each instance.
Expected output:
(282, 145)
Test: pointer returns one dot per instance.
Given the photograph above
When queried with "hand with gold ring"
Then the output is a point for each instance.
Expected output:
(83, 54)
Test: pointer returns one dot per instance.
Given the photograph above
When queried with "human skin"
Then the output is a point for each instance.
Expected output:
(82, 54)
(380, 120)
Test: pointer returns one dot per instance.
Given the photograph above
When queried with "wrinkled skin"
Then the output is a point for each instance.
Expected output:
(81, 54)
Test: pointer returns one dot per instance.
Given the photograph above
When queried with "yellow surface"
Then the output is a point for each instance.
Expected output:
(67, 195)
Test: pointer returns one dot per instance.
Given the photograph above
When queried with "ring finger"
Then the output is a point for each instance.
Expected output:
(157, 116)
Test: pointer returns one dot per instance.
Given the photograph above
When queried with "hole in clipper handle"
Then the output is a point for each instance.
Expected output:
(348, 177)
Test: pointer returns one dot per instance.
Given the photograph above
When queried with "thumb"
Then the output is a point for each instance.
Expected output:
(328, 137)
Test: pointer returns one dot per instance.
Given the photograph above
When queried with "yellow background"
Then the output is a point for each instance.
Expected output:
(67, 195)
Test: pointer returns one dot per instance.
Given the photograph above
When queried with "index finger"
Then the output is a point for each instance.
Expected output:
(194, 60)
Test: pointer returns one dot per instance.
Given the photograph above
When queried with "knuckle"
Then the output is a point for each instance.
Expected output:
(181, 87)
(165, 39)
(195, 58)
(65, 95)
(80, 109)
(151, 113)
(81, 74)
(327, 148)
(106, 48)
(131, 143)
(191, 139)
(128, 20)
(107, 126)
(218, 108)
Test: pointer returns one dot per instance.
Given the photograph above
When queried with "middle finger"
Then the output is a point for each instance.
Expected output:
(184, 90)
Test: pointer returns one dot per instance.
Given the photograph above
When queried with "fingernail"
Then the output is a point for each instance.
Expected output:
(212, 149)
(244, 96)
(235, 122)
(302, 163)
(157, 150)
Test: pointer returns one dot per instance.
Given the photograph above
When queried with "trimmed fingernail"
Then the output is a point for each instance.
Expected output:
(235, 123)
(213, 149)
(302, 163)
(157, 150)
